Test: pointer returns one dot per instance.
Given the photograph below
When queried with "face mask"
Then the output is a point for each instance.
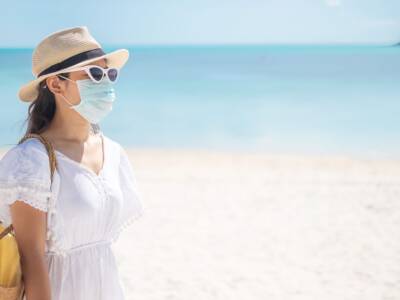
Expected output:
(96, 99)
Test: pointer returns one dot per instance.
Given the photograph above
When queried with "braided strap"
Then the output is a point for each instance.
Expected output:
(6, 231)
(49, 149)
(53, 165)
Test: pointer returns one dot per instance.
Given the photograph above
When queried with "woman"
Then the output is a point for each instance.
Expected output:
(65, 228)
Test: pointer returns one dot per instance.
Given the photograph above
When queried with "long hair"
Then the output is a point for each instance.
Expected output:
(42, 110)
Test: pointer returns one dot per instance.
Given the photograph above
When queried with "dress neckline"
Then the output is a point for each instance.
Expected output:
(82, 166)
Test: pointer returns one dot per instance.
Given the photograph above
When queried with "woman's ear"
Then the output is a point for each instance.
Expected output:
(54, 84)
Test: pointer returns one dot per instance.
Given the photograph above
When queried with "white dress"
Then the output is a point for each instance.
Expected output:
(86, 213)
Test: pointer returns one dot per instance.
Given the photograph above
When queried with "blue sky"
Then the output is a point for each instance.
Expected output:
(151, 22)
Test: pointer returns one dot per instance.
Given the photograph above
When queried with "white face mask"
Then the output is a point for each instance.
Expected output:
(96, 99)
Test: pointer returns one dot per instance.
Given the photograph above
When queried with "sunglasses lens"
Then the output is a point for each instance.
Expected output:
(112, 74)
(96, 73)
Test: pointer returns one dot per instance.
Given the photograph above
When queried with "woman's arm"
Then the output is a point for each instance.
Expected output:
(30, 232)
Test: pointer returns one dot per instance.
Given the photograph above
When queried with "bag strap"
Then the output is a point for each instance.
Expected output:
(49, 149)
(53, 165)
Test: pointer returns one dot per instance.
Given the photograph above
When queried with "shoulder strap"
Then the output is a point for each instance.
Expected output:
(49, 149)
(53, 166)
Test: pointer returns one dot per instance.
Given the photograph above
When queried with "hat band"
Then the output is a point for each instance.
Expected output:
(73, 60)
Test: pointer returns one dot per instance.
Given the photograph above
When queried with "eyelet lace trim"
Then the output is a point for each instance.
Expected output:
(125, 224)
(54, 225)
(28, 186)
(33, 193)
(37, 195)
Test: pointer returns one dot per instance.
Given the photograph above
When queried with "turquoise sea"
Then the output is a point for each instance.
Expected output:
(287, 99)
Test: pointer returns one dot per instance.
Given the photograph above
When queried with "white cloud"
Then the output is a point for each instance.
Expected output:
(333, 3)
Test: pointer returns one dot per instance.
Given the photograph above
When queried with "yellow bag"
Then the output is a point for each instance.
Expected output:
(11, 277)
(11, 285)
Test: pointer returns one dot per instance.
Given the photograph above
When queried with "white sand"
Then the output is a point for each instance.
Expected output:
(236, 226)
(257, 226)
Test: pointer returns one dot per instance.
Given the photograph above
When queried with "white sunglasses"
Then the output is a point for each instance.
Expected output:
(97, 73)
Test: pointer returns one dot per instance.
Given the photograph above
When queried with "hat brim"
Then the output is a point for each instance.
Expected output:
(115, 59)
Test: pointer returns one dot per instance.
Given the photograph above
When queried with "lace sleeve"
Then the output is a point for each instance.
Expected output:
(132, 207)
(24, 176)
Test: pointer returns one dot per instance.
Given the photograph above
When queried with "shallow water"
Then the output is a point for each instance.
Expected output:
(312, 100)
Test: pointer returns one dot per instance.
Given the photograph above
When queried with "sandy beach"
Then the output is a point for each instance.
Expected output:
(258, 226)
(235, 226)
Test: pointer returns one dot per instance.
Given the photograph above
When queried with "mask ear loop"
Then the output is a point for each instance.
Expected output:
(71, 105)
(66, 78)
(66, 100)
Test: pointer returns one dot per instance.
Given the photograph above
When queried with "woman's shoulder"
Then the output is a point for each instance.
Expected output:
(30, 156)
(25, 176)
(119, 153)
(114, 146)
(29, 147)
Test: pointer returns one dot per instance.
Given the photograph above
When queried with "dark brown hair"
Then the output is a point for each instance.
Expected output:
(41, 111)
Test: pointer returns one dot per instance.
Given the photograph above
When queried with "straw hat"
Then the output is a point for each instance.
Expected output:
(64, 50)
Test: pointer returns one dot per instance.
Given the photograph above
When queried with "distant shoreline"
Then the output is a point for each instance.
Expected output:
(135, 152)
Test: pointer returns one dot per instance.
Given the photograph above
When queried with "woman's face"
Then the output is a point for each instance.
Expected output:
(71, 91)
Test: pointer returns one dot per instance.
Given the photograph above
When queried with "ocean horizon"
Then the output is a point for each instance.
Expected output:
(341, 100)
